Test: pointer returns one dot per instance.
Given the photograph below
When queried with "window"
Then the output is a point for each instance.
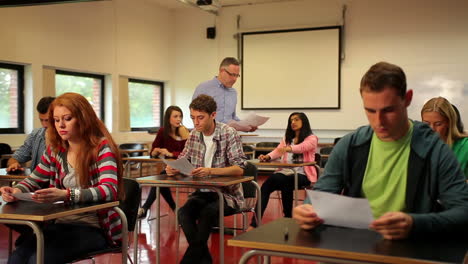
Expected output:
(11, 98)
(91, 86)
(146, 104)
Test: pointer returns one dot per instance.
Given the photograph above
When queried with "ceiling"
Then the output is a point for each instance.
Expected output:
(175, 4)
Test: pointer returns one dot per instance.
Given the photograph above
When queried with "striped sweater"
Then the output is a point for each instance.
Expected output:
(103, 184)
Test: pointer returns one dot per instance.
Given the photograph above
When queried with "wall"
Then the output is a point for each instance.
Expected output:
(115, 38)
(428, 39)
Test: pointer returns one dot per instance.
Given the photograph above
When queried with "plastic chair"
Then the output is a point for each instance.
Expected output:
(132, 146)
(270, 145)
(129, 206)
(248, 151)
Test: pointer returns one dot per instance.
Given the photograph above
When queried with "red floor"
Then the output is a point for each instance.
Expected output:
(168, 238)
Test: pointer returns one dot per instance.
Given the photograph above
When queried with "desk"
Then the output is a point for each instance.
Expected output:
(215, 183)
(140, 159)
(27, 213)
(282, 164)
(344, 245)
(5, 176)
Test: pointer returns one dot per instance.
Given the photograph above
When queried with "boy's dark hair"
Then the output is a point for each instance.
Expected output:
(43, 104)
(204, 103)
(382, 75)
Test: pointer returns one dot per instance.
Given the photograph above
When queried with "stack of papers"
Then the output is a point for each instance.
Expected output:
(339, 210)
(252, 120)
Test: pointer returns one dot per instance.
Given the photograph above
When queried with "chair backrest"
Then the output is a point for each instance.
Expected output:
(318, 158)
(326, 150)
(248, 151)
(267, 144)
(249, 189)
(131, 201)
(4, 149)
(133, 146)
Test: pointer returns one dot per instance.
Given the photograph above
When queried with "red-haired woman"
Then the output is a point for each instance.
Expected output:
(80, 164)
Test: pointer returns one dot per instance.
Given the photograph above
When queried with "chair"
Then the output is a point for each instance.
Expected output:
(268, 145)
(248, 151)
(129, 206)
(250, 197)
(4, 149)
(132, 147)
(325, 151)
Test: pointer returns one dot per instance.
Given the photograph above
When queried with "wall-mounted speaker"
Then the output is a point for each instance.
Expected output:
(210, 32)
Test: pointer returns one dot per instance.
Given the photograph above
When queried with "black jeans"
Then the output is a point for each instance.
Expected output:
(285, 184)
(62, 244)
(197, 217)
(165, 193)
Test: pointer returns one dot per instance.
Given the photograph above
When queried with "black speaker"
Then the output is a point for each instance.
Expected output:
(210, 32)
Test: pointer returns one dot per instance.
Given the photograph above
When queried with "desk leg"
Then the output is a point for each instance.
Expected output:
(39, 236)
(158, 224)
(124, 234)
(221, 226)
(259, 203)
(295, 187)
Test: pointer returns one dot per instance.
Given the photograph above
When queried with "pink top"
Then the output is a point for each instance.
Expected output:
(307, 148)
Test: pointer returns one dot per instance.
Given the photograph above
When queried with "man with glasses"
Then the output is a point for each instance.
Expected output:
(220, 88)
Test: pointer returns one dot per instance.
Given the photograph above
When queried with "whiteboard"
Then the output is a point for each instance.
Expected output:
(291, 69)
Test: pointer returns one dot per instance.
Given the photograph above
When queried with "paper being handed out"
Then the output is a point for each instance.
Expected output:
(24, 196)
(252, 119)
(339, 210)
(182, 165)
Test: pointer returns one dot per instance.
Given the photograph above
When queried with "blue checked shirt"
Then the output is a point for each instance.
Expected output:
(225, 98)
(32, 149)
(228, 153)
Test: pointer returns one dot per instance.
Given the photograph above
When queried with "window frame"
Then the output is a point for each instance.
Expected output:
(20, 69)
(90, 75)
(161, 106)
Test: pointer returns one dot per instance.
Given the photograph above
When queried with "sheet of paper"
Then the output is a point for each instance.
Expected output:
(248, 122)
(182, 164)
(339, 210)
(24, 196)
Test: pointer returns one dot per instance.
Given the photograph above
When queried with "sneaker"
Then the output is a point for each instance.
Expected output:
(142, 212)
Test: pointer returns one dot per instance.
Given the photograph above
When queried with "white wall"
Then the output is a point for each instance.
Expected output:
(138, 38)
(426, 38)
(119, 37)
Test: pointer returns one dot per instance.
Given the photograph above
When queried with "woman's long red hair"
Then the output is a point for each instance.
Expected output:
(91, 131)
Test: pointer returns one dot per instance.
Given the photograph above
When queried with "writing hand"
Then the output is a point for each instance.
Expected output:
(14, 167)
(393, 225)
(306, 217)
(264, 158)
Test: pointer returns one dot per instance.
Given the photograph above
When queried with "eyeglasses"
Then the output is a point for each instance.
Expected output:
(232, 74)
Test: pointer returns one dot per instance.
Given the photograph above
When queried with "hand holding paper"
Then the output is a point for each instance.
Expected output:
(252, 120)
(341, 210)
(182, 165)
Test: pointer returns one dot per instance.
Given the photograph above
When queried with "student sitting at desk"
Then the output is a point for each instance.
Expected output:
(214, 149)
(298, 145)
(169, 142)
(81, 164)
(411, 178)
(439, 114)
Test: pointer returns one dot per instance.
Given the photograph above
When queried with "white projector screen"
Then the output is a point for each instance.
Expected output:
(291, 69)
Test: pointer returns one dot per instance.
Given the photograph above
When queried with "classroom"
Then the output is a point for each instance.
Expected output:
(165, 42)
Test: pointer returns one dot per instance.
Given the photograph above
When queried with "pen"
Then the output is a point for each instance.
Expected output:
(286, 234)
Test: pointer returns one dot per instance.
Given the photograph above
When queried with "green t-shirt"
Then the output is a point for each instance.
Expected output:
(384, 183)
(460, 148)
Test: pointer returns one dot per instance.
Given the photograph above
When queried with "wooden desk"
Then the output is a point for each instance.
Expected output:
(215, 183)
(28, 213)
(5, 176)
(139, 159)
(344, 245)
(282, 164)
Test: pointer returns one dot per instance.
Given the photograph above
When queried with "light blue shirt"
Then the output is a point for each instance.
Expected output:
(226, 99)
(32, 149)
